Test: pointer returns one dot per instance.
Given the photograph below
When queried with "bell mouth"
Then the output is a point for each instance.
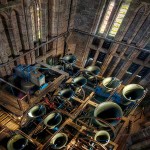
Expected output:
(80, 81)
(66, 93)
(70, 59)
(17, 142)
(37, 111)
(53, 120)
(111, 83)
(108, 111)
(59, 141)
(92, 70)
(102, 137)
(133, 92)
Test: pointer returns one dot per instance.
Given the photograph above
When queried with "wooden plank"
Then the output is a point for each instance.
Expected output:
(1, 113)
(2, 117)
(11, 100)
(51, 87)
(114, 144)
(54, 69)
(123, 128)
(12, 109)
(12, 125)
(5, 121)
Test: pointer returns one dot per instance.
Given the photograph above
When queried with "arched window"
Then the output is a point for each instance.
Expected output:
(33, 23)
(119, 17)
(107, 16)
(35, 11)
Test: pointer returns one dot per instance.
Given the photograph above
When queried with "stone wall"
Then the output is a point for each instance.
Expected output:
(27, 24)
(134, 31)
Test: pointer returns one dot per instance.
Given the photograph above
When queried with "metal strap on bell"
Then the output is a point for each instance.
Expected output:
(53, 120)
(79, 81)
(59, 141)
(102, 137)
(37, 111)
(132, 93)
(110, 83)
(17, 142)
(108, 111)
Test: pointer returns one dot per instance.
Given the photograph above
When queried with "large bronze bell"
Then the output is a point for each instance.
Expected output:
(92, 70)
(66, 93)
(79, 81)
(102, 137)
(59, 141)
(17, 142)
(110, 83)
(53, 120)
(108, 111)
(37, 111)
(132, 93)
(71, 59)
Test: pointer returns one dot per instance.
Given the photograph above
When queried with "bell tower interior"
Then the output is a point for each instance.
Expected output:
(74, 74)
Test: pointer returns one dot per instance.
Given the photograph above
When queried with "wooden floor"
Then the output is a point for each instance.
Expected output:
(7, 121)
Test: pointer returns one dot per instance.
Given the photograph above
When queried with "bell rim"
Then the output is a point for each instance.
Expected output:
(51, 127)
(129, 85)
(96, 68)
(63, 135)
(111, 104)
(110, 81)
(67, 89)
(79, 77)
(108, 135)
(39, 115)
(74, 57)
(10, 144)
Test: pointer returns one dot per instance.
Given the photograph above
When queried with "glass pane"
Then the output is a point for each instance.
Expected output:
(121, 14)
(33, 23)
(106, 17)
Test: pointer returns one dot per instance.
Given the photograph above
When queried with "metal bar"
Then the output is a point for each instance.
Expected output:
(28, 97)
(32, 50)
(78, 31)
(68, 25)
(12, 85)
(20, 105)
(114, 41)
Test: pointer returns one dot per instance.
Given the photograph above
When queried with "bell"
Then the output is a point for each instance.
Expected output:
(132, 93)
(110, 83)
(66, 93)
(53, 120)
(71, 59)
(26, 86)
(102, 137)
(59, 141)
(92, 70)
(108, 111)
(79, 81)
(37, 111)
(17, 142)
(60, 67)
